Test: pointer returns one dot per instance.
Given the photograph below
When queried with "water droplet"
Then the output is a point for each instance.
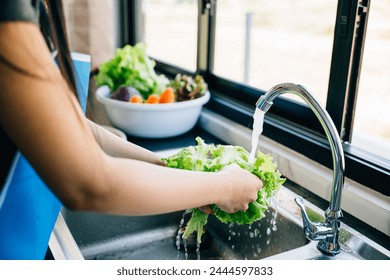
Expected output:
(179, 233)
(198, 250)
(268, 231)
(185, 249)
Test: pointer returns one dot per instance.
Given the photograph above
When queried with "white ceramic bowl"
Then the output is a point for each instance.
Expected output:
(152, 120)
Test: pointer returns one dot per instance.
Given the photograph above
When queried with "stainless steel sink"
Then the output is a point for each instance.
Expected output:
(154, 237)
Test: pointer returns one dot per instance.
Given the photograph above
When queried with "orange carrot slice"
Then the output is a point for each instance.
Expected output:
(153, 99)
(136, 99)
(167, 96)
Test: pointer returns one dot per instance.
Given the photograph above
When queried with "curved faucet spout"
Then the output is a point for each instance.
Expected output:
(333, 213)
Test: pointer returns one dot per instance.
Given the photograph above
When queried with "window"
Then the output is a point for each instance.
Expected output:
(263, 43)
(170, 31)
(248, 46)
(372, 118)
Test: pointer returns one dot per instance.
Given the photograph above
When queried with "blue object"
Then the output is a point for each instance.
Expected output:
(82, 66)
(28, 208)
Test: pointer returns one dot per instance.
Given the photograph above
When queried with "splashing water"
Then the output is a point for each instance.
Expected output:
(198, 250)
(185, 249)
(274, 216)
(258, 120)
(179, 233)
(182, 241)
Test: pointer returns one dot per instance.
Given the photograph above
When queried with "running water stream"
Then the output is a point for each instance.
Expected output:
(258, 120)
(178, 237)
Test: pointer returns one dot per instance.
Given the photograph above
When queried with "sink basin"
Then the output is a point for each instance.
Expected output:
(279, 235)
(101, 236)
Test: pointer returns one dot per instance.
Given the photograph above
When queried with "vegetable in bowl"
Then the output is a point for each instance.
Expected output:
(132, 67)
(212, 158)
(187, 87)
(125, 93)
(131, 77)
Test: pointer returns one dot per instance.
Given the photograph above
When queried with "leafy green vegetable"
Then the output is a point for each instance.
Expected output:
(131, 67)
(187, 87)
(212, 158)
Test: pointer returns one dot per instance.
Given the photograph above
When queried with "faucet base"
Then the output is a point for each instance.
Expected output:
(328, 248)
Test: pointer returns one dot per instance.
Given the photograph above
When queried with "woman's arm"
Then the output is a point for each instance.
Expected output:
(43, 118)
(118, 147)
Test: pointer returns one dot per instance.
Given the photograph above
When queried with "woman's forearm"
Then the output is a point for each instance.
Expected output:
(139, 188)
(118, 147)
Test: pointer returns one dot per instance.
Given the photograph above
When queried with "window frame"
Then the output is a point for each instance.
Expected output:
(289, 122)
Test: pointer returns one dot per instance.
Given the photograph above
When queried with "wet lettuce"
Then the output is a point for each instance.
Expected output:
(212, 158)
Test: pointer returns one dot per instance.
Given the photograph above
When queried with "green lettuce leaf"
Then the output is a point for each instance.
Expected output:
(131, 67)
(212, 158)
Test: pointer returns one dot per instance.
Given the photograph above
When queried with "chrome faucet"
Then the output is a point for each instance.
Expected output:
(328, 231)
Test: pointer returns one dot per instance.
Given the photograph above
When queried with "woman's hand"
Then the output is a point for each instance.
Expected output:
(241, 188)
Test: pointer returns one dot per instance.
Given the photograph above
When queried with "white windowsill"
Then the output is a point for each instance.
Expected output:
(366, 204)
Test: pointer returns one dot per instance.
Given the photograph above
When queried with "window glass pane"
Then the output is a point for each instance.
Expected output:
(289, 41)
(372, 115)
(170, 31)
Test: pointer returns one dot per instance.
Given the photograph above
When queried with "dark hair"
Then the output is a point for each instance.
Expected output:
(53, 15)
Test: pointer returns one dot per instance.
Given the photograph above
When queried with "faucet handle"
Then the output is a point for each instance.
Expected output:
(313, 230)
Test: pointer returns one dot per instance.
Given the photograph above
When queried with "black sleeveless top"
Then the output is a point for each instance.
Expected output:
(13, 10)
(19, 10)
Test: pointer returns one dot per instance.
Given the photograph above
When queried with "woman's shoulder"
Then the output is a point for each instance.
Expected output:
(19, 10)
